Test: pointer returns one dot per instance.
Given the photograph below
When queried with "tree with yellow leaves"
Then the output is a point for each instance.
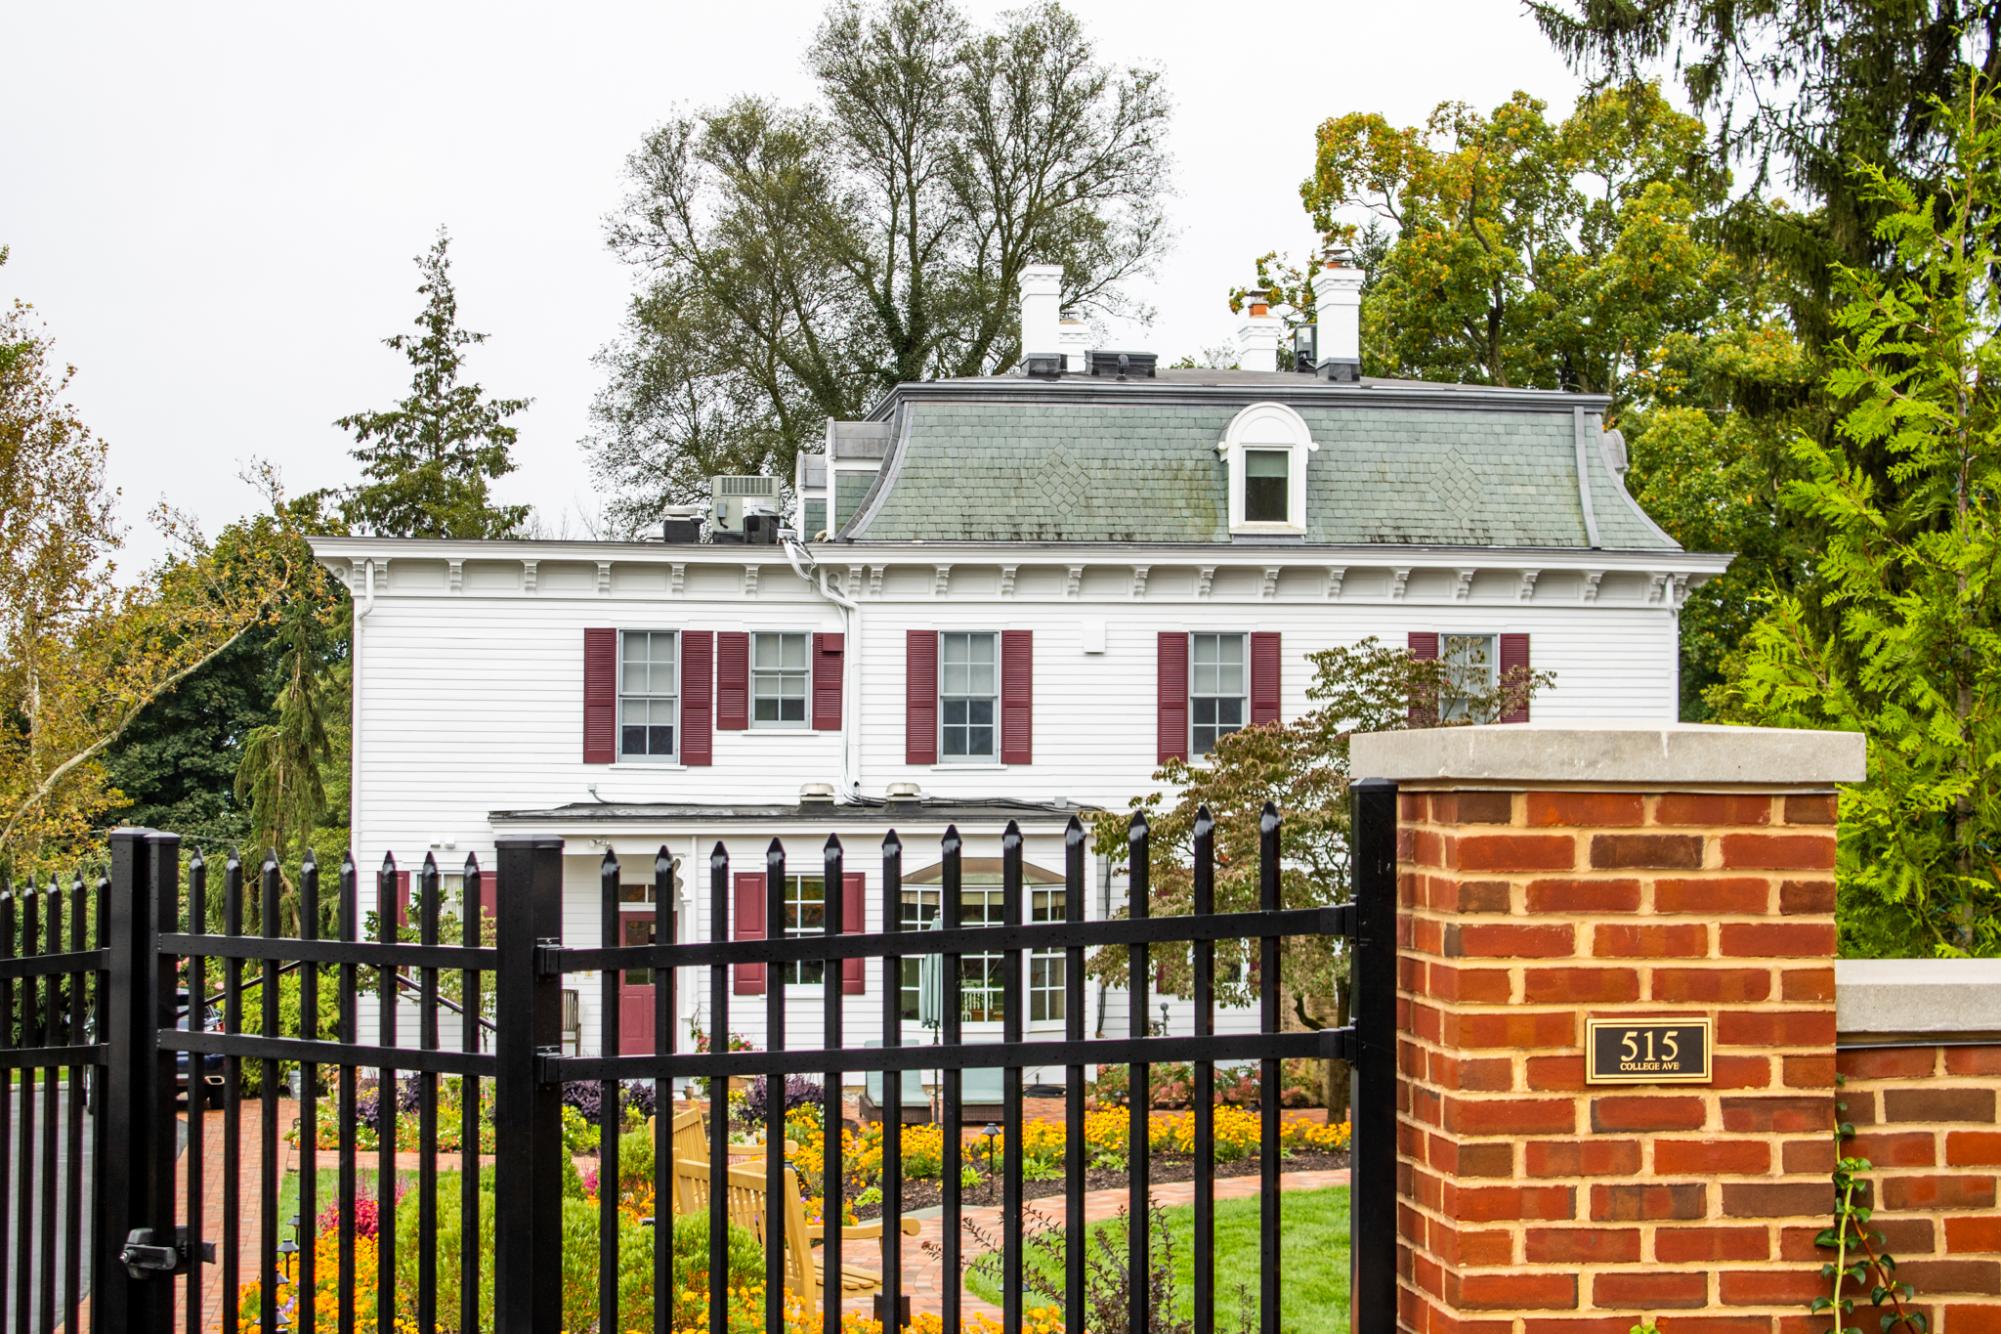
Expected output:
(83, 652)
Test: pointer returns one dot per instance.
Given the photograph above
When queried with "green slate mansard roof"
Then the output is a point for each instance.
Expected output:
(1079, 460)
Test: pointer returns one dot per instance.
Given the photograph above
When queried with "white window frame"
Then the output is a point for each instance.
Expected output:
(991, 757)
(1268, 427)
(674, 757)
(1193, 750)
(1452, 705)
(805, 675)
(992, 967)
(795, 898)
(1048, 995)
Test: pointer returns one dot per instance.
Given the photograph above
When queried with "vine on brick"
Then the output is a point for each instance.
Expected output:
(1872, 1266)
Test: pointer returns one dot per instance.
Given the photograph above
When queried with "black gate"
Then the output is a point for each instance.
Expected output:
(163, 1001)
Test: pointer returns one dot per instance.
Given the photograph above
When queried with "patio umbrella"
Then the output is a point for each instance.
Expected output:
(931, 987)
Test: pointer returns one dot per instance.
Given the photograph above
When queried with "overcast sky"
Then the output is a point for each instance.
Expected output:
(215, 206)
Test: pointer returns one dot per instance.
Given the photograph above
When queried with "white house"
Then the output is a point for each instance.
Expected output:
(997, 598)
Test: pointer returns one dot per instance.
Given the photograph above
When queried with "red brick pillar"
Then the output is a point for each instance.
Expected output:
(1548, 876)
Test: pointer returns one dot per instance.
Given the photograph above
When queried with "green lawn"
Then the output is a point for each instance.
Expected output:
(1313, 1261)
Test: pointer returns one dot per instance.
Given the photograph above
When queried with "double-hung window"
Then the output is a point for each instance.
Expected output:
(649, 694)
(1218, 689)
(1472, 672)
(805, 915)
(778, 680)
(1045, 967)
(968, 696)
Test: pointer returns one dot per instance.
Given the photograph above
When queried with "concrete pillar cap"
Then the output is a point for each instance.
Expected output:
(1613, 754)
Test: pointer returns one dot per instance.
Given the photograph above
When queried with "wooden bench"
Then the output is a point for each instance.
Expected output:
(746, 1206)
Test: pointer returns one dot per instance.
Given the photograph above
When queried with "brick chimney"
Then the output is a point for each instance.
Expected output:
(1337, 297)
(1258, 336)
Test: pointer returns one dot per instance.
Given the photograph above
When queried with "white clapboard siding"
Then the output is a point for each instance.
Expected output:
(469, 703)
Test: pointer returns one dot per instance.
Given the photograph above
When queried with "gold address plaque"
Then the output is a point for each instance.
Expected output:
(1631, 1050)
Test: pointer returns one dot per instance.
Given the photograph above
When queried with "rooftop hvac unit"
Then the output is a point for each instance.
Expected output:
(734, 498)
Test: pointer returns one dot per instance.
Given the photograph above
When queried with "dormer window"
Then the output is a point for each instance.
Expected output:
(1264, 452)
(1265, 475)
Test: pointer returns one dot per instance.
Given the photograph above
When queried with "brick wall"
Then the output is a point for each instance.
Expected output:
(1533, 1204)
(1925, 1117)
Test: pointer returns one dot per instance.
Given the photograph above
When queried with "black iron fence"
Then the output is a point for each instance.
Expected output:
(115, 1018)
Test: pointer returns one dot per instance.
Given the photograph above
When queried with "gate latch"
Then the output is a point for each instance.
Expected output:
(151, 1252)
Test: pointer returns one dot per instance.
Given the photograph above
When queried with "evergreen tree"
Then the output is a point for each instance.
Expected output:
(429, 460)
(176, 764)
(1908, 574)
(1801, 90)
(278, 782)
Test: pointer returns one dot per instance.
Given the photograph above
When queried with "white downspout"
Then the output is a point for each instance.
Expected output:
(806, 568)
(354, 679)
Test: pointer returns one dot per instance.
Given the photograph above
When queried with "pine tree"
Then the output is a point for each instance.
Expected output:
(1908, 574)
(278, 782)
(430, 459)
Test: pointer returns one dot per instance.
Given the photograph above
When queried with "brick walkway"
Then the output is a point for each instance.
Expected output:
(247, 1188)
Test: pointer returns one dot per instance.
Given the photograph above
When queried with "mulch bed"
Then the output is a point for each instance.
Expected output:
(1164, 1168)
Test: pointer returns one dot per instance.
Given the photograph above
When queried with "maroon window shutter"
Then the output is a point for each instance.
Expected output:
(1264, 677)
(732, 681)
(749, 925)
(1423, 647)
(489, 890)
(920, 697)
(829, 658)
(1171, 687)
(402, 898)
(698, 653)
(854, 904)
(1017, 739)
(1515, 654)
(600, 696)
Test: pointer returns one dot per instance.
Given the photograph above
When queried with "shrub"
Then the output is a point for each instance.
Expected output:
(799, 1092)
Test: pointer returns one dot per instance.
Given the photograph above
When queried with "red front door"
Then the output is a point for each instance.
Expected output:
(635, 990)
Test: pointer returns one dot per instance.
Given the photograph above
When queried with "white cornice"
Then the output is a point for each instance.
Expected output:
(651, 570)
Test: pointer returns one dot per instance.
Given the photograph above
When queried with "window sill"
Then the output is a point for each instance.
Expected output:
(961, 766)
(1264, 529)
(641, 762)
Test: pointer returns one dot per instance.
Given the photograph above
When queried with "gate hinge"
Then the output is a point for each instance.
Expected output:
(548, 960)
(1337, 1044)
(151, 1252)
(1338, 920)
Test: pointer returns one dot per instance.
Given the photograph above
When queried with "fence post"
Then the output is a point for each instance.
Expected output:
(135, 1184)
(527, 1111)
(1372, 1114)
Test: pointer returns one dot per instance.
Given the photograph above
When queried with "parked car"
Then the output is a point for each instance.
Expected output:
(211, 1062)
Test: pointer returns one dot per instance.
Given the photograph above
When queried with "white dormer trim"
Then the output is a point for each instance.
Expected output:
(1272, 426)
